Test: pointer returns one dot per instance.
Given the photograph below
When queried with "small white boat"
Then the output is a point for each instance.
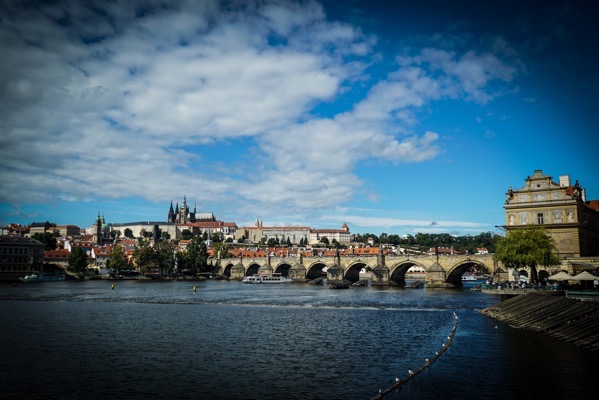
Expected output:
(269, 278)
(43, 277)
(469, 277)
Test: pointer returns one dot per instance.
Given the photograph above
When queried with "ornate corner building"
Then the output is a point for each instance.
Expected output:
(561, 208)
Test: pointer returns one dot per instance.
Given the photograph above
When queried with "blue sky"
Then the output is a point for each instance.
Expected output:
(388, 116)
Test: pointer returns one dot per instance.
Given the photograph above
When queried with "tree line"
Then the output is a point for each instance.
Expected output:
(427, 240)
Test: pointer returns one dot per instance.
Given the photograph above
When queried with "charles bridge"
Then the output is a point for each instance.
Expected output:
(441, 271)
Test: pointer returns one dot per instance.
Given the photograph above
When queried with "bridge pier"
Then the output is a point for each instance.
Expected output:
(379, 275)
(297, 272)
(237, 272)
(436, 277)
(335, 274)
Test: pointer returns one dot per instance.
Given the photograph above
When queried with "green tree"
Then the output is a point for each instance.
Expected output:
(186, 234)
(197, 255)
(164, 254)
(116, 259)
(222, 250)
(182, 260)
(527, 247)
(324, 240)
(216, 237)
(77, 260)
(165, 235)
(47, 238)
(115, 234)
(128, 233)
(143, 255)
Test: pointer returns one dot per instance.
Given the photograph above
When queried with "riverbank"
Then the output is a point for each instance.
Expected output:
(568, 319)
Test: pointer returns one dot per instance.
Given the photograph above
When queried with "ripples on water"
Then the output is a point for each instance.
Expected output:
(233, 341)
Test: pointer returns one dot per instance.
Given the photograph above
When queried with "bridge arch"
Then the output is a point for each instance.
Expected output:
(282, 268)
(252, 269)
(397, 273)
(352, 273)
(315, 270)
(454, 275)
(226, 269)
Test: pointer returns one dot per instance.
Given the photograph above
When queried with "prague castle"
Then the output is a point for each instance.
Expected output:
(183, 215)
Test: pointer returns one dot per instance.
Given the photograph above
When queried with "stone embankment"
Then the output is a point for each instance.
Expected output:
(567, 319)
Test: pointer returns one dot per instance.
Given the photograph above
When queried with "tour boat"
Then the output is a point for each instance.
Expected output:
(43, 277)
(269, 278)
(468, 277)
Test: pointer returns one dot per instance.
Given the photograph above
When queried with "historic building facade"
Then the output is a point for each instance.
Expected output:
(561, 208)
(19, 256)
(256, 233)
(294, 234)
(340, 235)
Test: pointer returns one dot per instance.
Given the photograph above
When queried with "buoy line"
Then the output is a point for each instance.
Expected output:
(427, 363)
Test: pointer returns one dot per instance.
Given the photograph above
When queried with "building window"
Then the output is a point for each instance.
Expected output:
(540, 219)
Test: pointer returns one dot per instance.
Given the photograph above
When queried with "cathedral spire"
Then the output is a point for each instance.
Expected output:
(99, 230)
(171, 214)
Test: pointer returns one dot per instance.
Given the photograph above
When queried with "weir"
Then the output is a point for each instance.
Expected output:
(428, 362)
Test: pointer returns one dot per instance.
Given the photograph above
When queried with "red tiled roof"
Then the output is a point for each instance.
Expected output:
(593, 204)
(49, 254)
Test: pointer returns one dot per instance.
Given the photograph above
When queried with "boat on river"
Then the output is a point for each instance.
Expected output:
(268, 278)
(44, 277)
(468, 277)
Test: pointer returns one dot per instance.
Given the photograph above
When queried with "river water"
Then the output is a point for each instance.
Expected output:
(228, 340)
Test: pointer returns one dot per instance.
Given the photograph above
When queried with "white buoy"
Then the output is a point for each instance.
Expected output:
(410, 372)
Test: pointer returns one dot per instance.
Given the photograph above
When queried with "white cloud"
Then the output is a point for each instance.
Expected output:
(124, 105)
(420, 225)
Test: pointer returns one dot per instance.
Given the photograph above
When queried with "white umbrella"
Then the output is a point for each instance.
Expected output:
(585, 276)
(560, 276)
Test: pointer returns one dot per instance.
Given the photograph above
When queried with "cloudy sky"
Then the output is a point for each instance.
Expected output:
(385, 115)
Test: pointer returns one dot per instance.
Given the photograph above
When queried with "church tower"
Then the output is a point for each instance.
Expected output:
(98, 230)
(171, 214)
(183, 211)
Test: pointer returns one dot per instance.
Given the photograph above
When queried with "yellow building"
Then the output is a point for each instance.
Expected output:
(561, 208)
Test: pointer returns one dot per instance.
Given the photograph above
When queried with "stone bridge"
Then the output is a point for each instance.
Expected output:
(441, 271)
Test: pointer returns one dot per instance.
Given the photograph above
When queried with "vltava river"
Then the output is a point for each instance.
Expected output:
(227, 340)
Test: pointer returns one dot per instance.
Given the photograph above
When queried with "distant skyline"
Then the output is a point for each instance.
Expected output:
(389, 116)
